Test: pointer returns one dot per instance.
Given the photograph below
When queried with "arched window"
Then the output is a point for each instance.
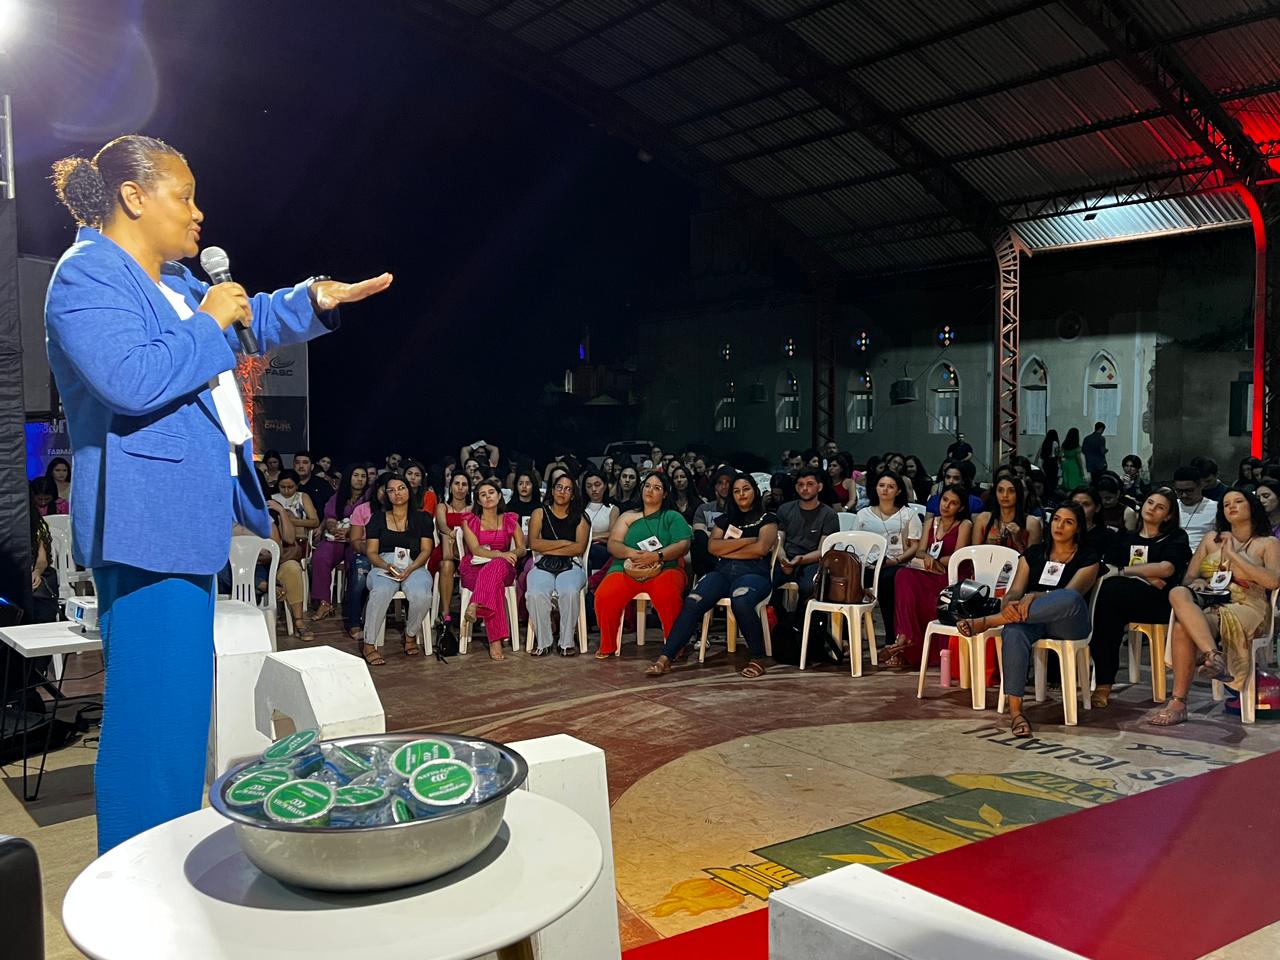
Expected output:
(726, 414)
(1102, 392)
(859, 402)
(1033, 410)
(786, 403)
(943, 406)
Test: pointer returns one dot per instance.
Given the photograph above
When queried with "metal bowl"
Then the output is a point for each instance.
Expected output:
(377, 857)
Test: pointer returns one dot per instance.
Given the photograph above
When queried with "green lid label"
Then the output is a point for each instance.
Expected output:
(414, 754)
(350, 796)
(443, 783)
(299, 801)
(253, 789)
(400, 812)
(291, 745)
(264, 767)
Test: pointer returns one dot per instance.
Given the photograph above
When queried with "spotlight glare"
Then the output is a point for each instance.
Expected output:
(11, 16)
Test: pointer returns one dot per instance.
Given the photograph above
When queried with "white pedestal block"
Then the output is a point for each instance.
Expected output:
(857, 913)
(571, 772)
(320, 688)
(240, 643)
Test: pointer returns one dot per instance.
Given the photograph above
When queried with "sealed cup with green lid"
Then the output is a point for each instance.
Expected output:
(442, 783)
(415, 753)
(291, 746)
(250, 791)
(302, 803)
(360, 806)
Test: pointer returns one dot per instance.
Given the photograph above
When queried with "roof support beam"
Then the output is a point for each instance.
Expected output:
(1162, 71)
(614, 115)
(791, 57)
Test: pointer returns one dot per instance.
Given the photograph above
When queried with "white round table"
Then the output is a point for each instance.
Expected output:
(184, 889)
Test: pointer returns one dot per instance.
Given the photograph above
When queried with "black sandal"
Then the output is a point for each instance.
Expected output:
(1020, 726)
(539, 651)
(568, 651)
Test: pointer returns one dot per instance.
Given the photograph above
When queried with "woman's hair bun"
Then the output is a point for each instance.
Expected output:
(80, 188)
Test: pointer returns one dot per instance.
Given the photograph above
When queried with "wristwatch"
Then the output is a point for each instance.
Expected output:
(660, 560)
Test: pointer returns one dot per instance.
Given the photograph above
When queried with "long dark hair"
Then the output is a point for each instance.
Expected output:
(1046, 448)
(90, 189)
(1261, 527)
(1174, 519)
(899, 501)
(666, 491)
(1082, 526)
(344, 486)
(1019, 504)
(1092, 494)
(575, 498)
(1073, 439)
(537, 486)
(962, 494)
(376, 504)
(48, 471)
(690, 491)
(587, 474)
(476, 508)
(735, 514)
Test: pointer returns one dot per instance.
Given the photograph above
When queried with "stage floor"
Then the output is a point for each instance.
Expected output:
(725, 789)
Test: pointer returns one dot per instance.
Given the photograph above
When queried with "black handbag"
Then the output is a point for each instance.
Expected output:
(966, 600)
(446, 643)
(552, 564)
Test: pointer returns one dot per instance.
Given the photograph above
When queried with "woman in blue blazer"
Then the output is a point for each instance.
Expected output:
(141, 351)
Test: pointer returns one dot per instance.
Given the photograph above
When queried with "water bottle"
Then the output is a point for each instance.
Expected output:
(944, 658)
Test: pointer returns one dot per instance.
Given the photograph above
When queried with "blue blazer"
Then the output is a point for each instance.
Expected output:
(152, 486)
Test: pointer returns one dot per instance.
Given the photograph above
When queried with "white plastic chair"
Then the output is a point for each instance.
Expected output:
(865, 544)
(244, 564)
(427, 632)
(1073, 656)
(1157, 637)
(59, 525)
(642, 599)
(848, 522)
(337, 584)
(1249, 695)
(731, 625)
(990, 564)
(513, 609)
(530, 633)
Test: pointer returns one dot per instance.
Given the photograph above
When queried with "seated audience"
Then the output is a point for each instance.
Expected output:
(1213, 488)
(415, 475)
(486, 455)
(302, 510)
(44, 575)
(494, 548)
(558, 536)
(1117, 513)
(803, 524)
(333, 545)
(291, 580)
(526, 496)
(1046, 599)
(917, 586)
(684, 495)
(1149, 562)
(917, 475)
(742, 543)
(59, 471)
(358, 565)
(398, 541)
(1005, 521)
(839, 483)
(451, 516)
(704, 519)
(44, 494)
(601, 514)
(899, 524)
(269, 470)
(1268, 492)
(627, 494)
(1196, 512)
(314, 487)
(1097, 535)
(647, 546)
(1132, 483)
(1222, 600)
(952, 474)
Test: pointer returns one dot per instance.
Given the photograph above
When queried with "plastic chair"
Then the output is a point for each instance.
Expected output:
(337, 584)
(21, 900)
(858, 615)
(990, 563)
(1157, 636)
(244, 563)
(731, 625)
(530, 633)
(641, 616)
(848, 522)
(513, 610)
(60, 537)
(426, 633)
(1249, 695)
(1073, 656)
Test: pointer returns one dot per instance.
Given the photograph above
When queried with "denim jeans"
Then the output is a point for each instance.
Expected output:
(1061, 614)
(801, 576)
(566, 586)
(357, 585)
(745, 591)
(416, 587)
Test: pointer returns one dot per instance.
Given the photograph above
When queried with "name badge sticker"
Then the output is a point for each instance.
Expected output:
(651, 544)
(1220, 580)
(935, 549)
(733, 533)
(1051, 576)
(1138, 554)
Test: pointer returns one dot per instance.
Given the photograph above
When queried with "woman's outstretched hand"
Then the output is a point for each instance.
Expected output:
(327, 294)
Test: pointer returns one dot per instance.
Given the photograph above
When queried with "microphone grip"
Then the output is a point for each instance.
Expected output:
(248, 341)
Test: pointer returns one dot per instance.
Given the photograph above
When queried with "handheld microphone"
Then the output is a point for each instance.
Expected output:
(217, 265)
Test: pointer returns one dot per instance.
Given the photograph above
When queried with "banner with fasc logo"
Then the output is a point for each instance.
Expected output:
(275, 390)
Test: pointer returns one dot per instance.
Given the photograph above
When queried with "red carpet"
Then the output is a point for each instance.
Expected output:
(742, 938)
(1175, 872)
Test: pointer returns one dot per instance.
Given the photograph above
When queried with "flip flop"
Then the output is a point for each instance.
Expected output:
(1168, 715)
(1020, 726)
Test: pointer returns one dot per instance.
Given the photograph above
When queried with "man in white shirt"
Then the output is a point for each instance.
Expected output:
(1196, 511)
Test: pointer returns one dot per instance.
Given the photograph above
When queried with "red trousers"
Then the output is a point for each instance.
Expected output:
(666, 591)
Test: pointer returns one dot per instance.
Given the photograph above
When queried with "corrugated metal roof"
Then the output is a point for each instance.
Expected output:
(997, 101)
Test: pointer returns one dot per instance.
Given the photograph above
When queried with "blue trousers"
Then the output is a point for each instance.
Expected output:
(744, 591)
(357, 587)
(157, 646)
(1061, 614)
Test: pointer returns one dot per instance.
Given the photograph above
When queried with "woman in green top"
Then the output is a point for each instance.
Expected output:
(1072, 460)
(647, 545)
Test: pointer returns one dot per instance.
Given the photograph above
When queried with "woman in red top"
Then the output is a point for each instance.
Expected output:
(450, 516)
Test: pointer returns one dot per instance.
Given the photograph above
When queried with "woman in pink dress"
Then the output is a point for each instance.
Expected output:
(916, 589)
(494, 539)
